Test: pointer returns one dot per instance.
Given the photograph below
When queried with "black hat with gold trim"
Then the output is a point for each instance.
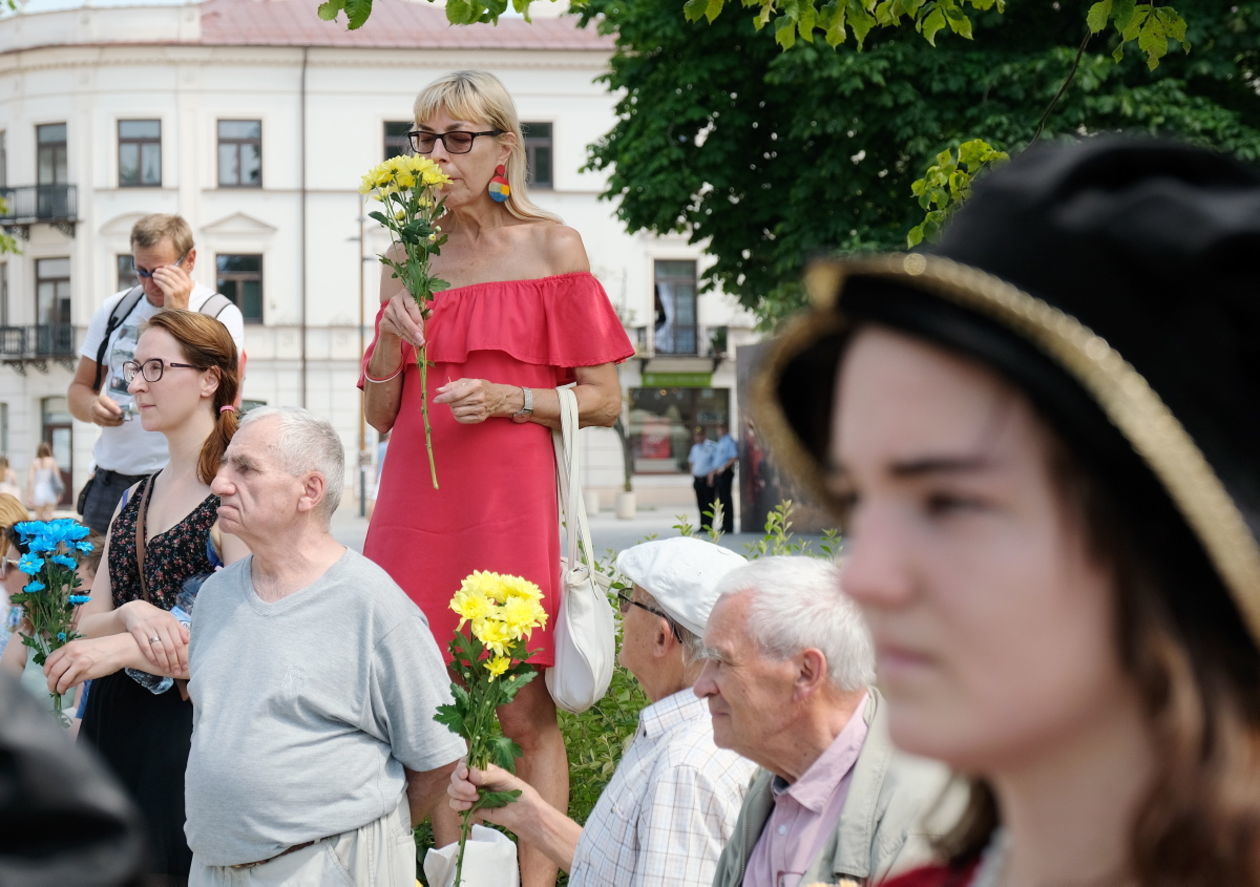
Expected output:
(1117, 283)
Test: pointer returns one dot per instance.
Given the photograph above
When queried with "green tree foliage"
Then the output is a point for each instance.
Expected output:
(1151, 27)
(8, 244)
(768, 157)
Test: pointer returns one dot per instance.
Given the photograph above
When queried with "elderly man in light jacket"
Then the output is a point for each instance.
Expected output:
(788, 677)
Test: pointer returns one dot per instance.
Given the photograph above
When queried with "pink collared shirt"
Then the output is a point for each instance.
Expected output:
(807, 811)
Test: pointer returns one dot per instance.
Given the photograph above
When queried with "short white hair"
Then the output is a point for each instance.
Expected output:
(795, 603)
(306, 442)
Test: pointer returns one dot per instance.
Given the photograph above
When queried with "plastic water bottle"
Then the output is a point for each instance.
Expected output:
(157, 684)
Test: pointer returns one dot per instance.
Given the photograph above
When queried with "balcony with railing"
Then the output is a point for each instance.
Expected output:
(37, 345)
(26, 205)
(699, 349)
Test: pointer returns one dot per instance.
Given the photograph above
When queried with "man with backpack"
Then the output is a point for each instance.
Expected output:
(164, 256)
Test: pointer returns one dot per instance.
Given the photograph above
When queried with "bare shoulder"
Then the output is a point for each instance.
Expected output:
(561, 247)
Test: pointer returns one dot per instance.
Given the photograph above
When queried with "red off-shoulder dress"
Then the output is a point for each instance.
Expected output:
(496, 505)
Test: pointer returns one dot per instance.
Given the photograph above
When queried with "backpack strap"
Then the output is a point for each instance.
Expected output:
(215, 305)
(121, 312)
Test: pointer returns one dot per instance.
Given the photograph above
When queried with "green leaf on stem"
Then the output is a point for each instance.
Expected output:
(489, 800)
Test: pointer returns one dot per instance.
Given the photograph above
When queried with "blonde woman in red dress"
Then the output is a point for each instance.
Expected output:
(522, 316)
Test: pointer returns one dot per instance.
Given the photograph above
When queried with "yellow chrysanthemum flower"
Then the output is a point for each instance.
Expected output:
(522, 615)
(494, 634)
(484, 583)
(470, 605)
(497, 666)
(517, 587)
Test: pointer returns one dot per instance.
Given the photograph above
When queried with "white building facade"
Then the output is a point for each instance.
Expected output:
(255, 121)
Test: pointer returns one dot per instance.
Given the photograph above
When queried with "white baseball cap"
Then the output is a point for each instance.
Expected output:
(682, 574)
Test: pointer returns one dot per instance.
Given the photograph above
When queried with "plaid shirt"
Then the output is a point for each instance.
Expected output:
(670, 806)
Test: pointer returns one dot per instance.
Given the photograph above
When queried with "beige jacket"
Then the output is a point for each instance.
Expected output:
(880, 830)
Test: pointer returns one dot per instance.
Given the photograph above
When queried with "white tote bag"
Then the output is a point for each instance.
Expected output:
(583, 633)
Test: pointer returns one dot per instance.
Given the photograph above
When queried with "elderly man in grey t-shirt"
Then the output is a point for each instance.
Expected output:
(314, 681)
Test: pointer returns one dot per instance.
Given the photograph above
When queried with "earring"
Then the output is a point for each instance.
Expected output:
(499, 188)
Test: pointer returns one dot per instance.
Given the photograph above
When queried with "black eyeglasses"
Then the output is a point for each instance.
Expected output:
(457, 141)
(151, 369)
(627, 602)
(146, 273)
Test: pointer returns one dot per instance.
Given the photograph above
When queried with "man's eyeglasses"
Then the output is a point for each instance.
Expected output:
(151, 369)
(626, 602)
(146, 273)
(457, 141)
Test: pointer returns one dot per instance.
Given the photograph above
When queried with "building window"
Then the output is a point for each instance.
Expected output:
(50, 154)
(538, 153)
(4, 428)
(139, 153)
(240, 279)
(53, 334)
(676, 329)
(663, 419)
(396, 137)
(125, 265)
(4, 159)
(4, 296)
(57, 428)
(240, 153)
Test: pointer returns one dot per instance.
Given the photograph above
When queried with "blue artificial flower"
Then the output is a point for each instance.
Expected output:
(77, 599)
(41, 536)
(34, 585)
(84, 547)
(67, 529)
(30, 564)
(65, 560)
(61, 635)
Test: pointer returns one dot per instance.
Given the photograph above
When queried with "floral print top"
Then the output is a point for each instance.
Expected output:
(170, 557)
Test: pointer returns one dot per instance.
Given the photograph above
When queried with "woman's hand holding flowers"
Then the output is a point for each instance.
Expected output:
(84, 659)
(402, 318)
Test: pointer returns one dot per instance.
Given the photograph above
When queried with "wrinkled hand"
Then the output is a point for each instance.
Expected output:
(402, 318)
(80, 660)
(106, 411)
(175, 284)
(161, 637)
(471, 400)
(462, 794)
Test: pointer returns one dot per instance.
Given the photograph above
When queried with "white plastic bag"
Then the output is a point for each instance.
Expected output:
(489, 861)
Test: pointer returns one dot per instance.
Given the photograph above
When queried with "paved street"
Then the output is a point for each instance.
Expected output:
(607, 532)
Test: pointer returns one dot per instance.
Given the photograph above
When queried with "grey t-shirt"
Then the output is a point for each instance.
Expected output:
(306, 709)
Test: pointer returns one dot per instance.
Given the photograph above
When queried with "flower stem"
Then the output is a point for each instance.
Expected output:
(465, 826)
(423, 363)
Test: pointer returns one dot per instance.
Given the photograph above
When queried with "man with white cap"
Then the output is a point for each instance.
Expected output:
(672, 803)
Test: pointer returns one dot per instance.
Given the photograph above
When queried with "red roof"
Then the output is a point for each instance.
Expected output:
(404, 24)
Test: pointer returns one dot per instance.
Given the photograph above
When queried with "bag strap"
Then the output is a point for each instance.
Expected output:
(572, 510)
(215, 305)
(121, 312)
(141, 512)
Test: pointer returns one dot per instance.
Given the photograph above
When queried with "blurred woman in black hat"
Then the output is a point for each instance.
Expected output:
(1041, 438)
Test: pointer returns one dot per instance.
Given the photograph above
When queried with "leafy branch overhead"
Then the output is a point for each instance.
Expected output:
(1151, 27)
(947, 183)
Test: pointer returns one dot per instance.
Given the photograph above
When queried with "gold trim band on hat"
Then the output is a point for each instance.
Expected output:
(1124, 395)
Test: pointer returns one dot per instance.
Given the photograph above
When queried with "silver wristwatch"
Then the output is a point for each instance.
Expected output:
(527, 410)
